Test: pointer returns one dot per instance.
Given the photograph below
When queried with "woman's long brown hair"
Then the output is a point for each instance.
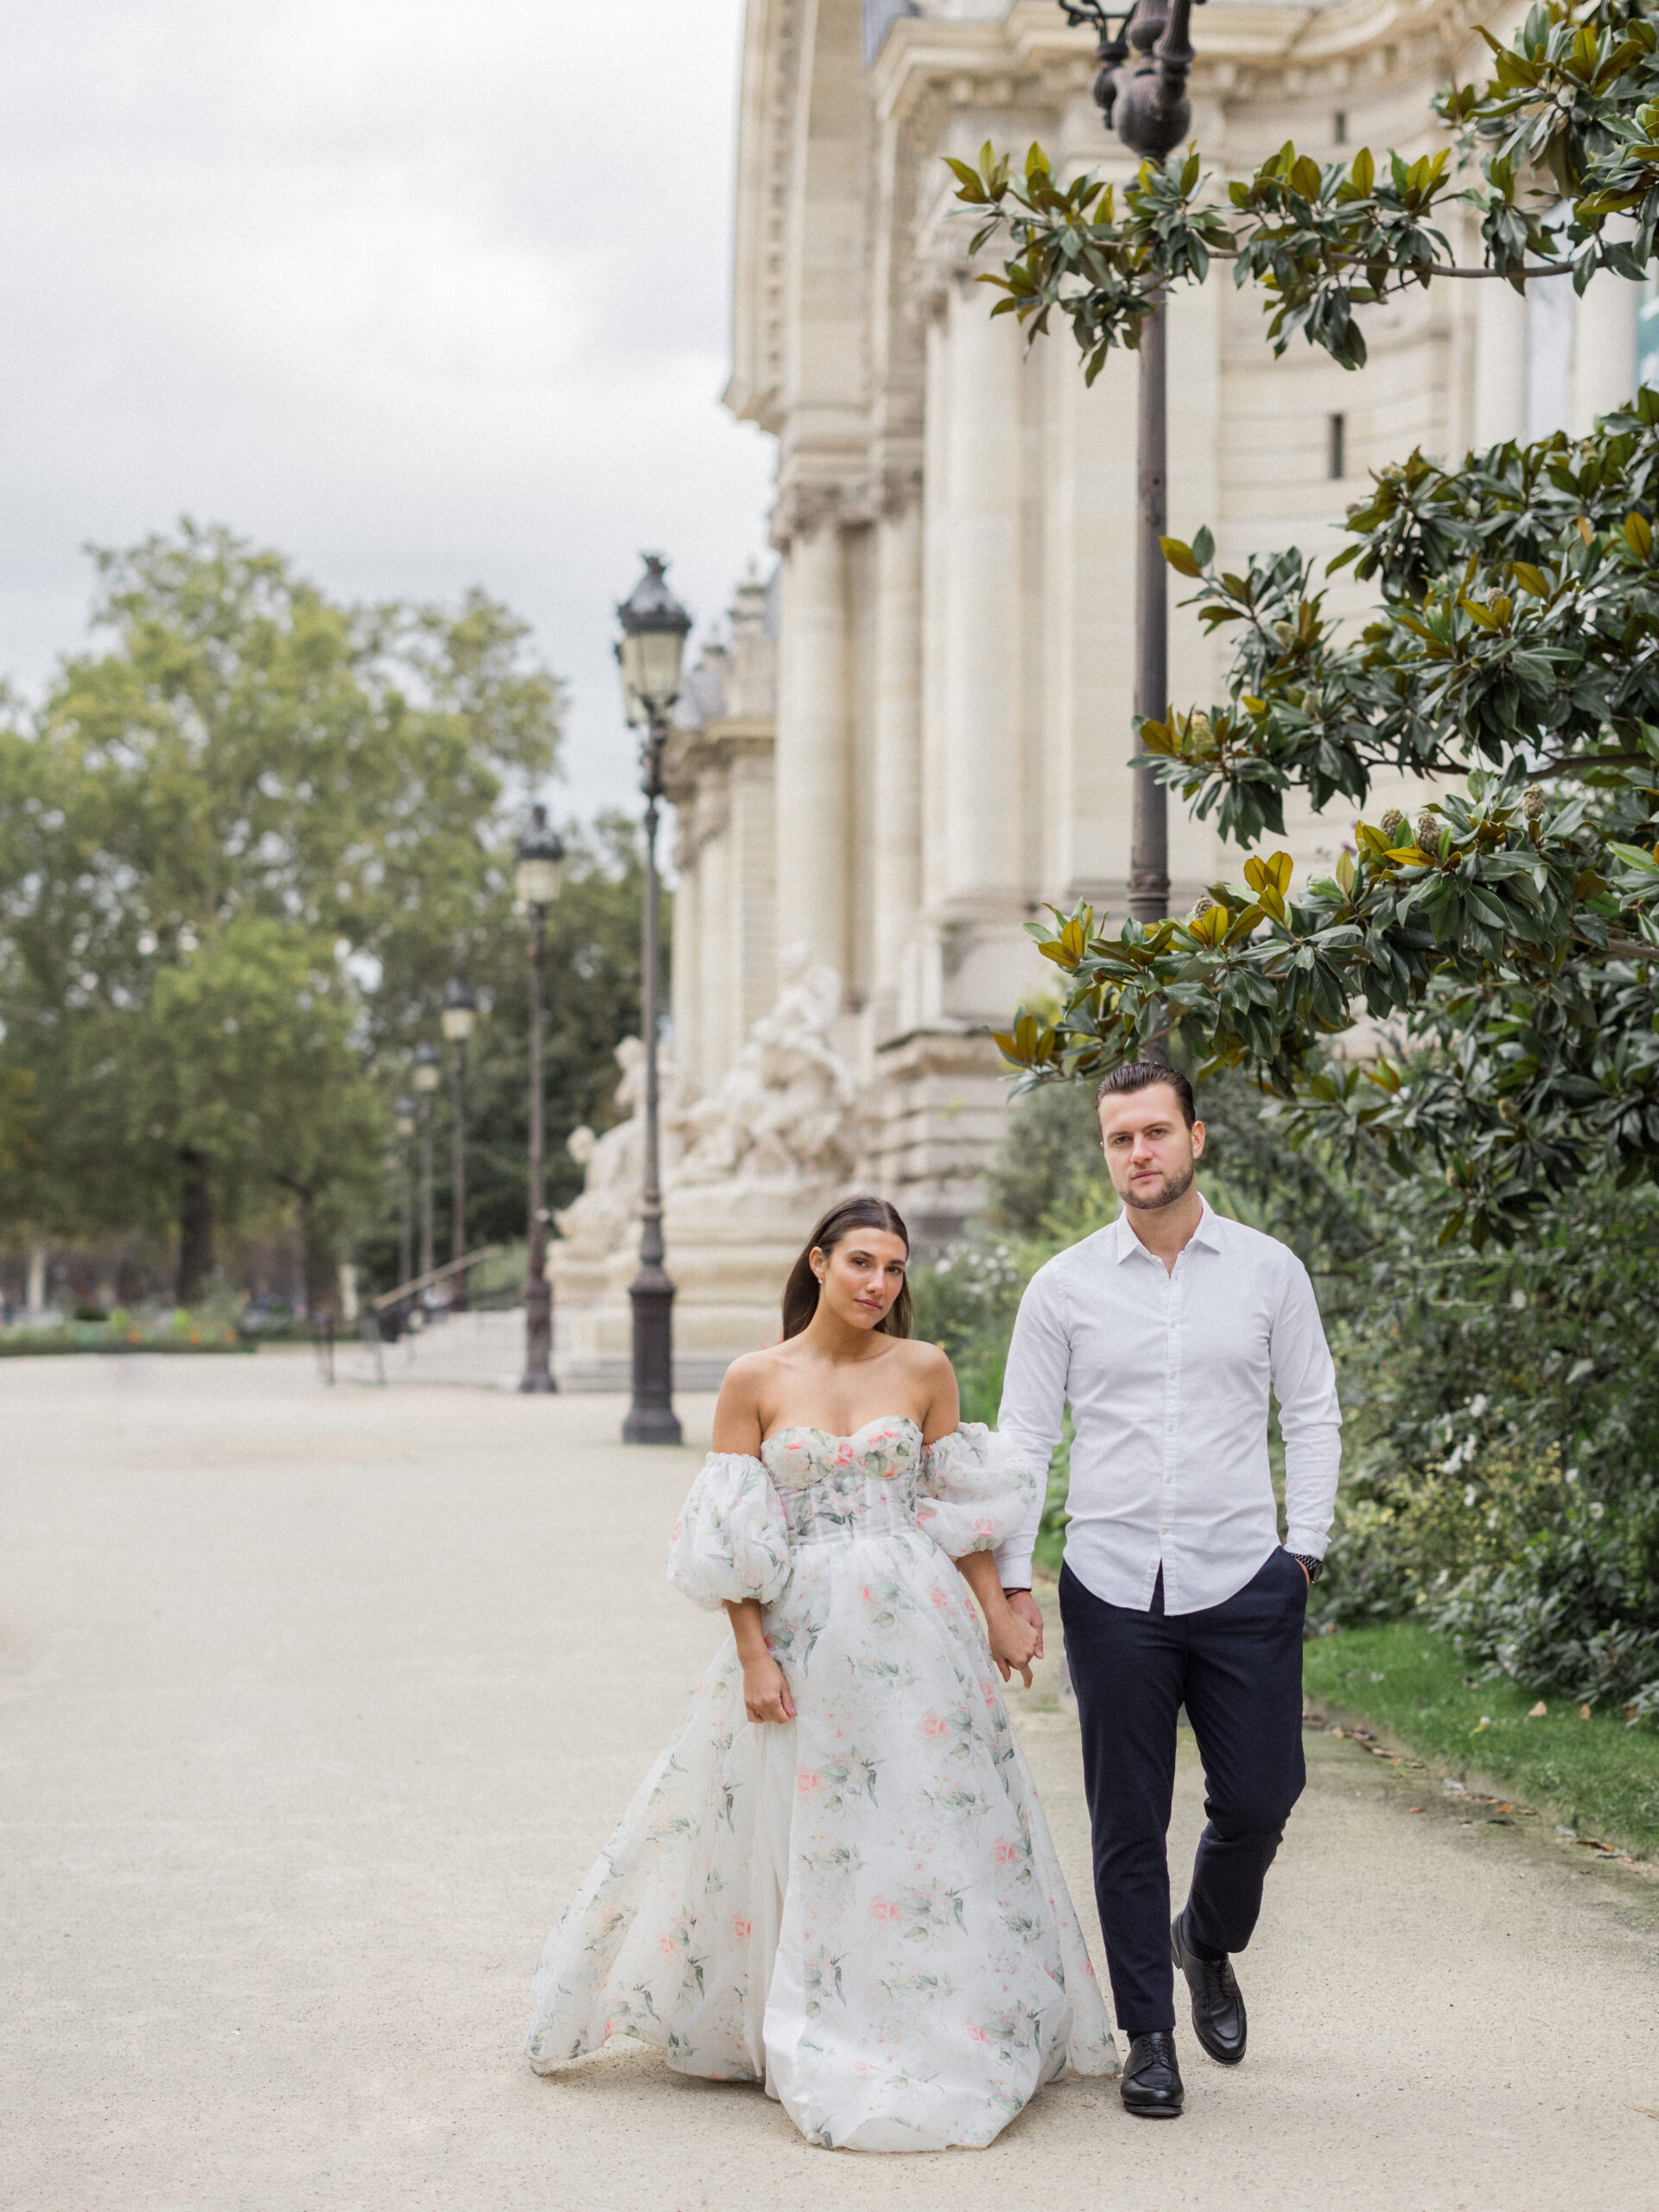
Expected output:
(801, 1291)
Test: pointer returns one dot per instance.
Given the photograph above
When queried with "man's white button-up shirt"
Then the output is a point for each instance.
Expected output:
(1167, 1373)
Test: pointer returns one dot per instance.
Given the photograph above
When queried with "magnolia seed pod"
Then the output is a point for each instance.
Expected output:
(1428, 831)
(1284, 632)
(1533, 805)
(1392, 823)
(1508, 1110)
(1204, 903)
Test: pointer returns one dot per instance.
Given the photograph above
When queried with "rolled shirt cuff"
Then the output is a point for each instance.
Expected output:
(1013, 1565)
(1309, 1543)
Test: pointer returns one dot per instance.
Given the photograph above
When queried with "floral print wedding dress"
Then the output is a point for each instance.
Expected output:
(861, 1907)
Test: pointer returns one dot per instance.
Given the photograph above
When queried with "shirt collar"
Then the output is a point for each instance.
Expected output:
(1126, 1243)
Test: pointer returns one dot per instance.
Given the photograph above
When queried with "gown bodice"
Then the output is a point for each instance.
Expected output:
(835, 1487)
(747, 1519)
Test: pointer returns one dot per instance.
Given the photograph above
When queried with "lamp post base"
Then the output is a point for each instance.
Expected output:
(537, 1378)
(651, 1418)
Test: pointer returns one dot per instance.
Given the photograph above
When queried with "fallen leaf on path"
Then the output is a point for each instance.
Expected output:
(1646, 2110)
(1413, 1808)
(1584, 1713)
(1538, 1711)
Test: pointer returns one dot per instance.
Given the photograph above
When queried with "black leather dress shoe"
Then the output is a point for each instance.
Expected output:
(1218, 2019)
(1151, 2088)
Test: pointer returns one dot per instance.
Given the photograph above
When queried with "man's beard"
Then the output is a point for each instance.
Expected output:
(1172, 1187)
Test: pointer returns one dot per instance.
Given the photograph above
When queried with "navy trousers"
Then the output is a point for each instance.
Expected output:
(1237, 1668)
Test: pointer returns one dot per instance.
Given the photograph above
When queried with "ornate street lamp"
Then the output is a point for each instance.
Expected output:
(649, 653)
(536, 879)
(428, 1074)
(403, 1120)
(1140, 91)
(459, 1014)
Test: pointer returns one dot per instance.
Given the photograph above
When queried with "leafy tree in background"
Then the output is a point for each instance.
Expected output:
(593, 1001)
(244, 842)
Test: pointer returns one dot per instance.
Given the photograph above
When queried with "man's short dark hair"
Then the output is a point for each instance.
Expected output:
(1140, 1075)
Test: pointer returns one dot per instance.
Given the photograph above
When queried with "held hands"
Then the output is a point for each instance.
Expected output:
(1014, 1643)
(1025, 1606)
(765, 1691)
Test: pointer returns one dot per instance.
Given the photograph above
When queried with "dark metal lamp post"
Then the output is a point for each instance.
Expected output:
(650, 653)
(1140, 91)
(459, 1016)
(536, 879)
(403, 1120)
(428, 1074)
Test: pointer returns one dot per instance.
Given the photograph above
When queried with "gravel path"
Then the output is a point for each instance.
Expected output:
(315, 1705)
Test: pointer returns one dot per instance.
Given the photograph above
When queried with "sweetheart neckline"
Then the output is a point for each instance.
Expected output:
(812, 1428)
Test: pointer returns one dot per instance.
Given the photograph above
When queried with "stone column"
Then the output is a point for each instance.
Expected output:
(896, 798)
(686, 994)
(982, 799)
(1500, 408)
(716, 919)
(812, 746)
(1603, 350)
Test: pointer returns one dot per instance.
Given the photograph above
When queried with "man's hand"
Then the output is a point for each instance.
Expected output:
(1025, 1608)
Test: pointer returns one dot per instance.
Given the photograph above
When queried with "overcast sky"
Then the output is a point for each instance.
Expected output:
(425, 295)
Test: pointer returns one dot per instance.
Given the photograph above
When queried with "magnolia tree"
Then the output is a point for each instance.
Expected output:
(1507, 937)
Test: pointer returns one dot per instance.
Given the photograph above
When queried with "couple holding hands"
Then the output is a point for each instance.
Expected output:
(837, 1880)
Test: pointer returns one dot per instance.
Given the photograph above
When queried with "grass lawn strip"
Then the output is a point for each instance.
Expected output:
(1593, 1776)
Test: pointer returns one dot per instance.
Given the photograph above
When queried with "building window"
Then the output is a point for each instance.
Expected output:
(1336, 446)
(1339, 128)
(1647, 337)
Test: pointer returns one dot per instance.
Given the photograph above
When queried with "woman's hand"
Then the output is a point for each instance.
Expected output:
(1014, 1643)
(765, 1689)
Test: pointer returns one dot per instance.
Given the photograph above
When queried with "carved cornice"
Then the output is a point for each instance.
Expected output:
(1031, 56)
(806, 505)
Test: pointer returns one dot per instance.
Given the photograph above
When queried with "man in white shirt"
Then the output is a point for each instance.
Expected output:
(1165, 1331)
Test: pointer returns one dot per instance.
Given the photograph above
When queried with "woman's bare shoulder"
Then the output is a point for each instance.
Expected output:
(926, 1361)
(753, 1372)
(746, 1397)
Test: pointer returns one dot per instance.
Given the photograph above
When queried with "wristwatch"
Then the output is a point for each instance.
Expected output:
(1314, 1567)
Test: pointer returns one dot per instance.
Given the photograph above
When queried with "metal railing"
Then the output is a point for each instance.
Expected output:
(406, 1292)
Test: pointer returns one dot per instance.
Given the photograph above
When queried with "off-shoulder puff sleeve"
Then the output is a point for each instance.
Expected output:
(975, 1488)
(731, 1540)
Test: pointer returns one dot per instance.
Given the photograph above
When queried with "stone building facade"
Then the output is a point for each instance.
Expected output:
(916, 735)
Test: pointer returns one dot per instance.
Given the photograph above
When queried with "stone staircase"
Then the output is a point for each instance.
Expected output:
(488, 1349)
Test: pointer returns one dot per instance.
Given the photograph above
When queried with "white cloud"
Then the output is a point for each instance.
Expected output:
(426, 295)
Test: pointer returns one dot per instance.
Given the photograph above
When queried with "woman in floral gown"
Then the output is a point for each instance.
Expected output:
(836, 1879)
